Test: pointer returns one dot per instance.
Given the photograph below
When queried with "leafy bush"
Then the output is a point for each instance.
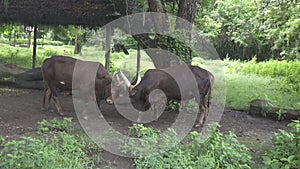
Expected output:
(173, 105)
(217, 151)
(61, 151)
(224, 151)
(285, 152)
(56, 125)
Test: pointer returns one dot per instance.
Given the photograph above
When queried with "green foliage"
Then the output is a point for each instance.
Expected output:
(280, 114)
(285, 152)
(281, 28)
(215, 152)
(142, 132)
(190, 106)
(224, 23)
(242, 29)
(61, 151)
(173, 105)
(288, 71)
(224, 151)
(129, 43)
(90, 147)
(22, 56)
(242, 89)
(56, 125)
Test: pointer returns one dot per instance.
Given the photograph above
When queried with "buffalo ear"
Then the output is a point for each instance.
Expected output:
(132, 92)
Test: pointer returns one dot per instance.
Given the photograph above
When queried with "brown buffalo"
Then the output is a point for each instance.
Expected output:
(58, 74)
(161, 79)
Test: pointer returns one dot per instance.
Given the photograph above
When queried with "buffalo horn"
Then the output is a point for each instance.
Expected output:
(138, 81)
(116, 76)
(125, 79)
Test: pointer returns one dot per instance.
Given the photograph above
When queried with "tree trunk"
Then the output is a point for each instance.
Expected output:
(160, 21)
(15, 38)
(29, 38)
(160, 61)
(77, 49)
(34, 46)
(107, 48)
(187, 10)
(138, 60)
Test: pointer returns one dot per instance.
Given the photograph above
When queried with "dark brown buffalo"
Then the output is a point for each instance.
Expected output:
(58, 74)
(161, 79)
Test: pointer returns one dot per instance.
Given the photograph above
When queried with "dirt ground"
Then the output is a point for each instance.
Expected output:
(20, 111)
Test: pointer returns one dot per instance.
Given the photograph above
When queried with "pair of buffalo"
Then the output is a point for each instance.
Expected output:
(58, 73)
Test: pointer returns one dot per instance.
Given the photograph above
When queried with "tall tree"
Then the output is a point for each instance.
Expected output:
(186, 10)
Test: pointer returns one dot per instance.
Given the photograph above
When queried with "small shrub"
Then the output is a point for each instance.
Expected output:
(90, 147)
(62, 151)
(56, 125)
(285, 152)
(217, 151)
(223, 151)
(280, 114)
(173, 105)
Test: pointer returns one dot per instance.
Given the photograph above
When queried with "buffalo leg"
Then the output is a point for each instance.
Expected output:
(46, 99)
(46, 88)
(55, 98)
(202, 114)
(57, 105)
(201, 117)
(139, 119)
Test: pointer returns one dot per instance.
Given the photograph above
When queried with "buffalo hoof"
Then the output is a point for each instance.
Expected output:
(198, 125)
(109, 101)
(61, 114)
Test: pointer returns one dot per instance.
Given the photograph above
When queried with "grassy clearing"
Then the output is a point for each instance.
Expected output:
(275, 81)
(22, 56)
(287, 71)
(241, 89)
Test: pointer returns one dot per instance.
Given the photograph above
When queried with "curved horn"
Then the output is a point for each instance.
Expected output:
(125, 79)
(137, 81)
(115, 75)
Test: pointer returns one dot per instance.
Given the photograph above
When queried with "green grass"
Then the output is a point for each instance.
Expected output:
(241, 89)
(22, 56)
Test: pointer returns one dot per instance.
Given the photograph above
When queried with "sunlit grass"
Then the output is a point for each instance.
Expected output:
(22, 56)
(241, 89)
